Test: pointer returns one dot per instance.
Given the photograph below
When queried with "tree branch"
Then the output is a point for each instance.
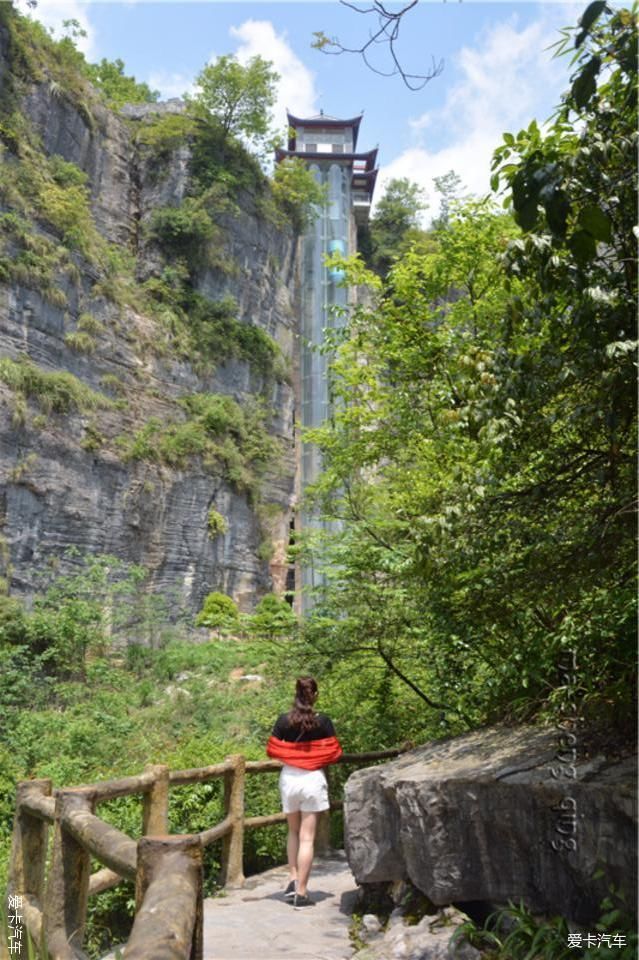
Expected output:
(387, 34)
(413, 686)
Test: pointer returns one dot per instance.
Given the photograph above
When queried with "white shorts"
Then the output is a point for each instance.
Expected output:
(305, 790)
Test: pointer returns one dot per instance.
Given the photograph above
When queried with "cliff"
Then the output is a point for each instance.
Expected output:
(147, 334)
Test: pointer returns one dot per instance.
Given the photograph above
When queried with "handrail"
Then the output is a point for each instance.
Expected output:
(167, 869)
(107, 844)
(41, 807)
(198, 774)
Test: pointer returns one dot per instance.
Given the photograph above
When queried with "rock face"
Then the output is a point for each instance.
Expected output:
(430, 939)
(497, 815)
(60, 488)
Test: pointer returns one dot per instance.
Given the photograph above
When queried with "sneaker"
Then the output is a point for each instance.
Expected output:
(301, 900)
(289, 893)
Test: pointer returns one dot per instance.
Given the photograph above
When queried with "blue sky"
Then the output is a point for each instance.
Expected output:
(497, 73)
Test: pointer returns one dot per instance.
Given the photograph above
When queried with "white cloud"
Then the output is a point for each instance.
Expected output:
(171, 84)
(505, 81)
(296, 86)
(52, 13)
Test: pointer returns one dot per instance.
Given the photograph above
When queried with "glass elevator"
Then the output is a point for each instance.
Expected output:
(328, 146)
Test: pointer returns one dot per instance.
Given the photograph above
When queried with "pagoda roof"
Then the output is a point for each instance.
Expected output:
(369, 157)
(368, 172)
(371, 179)
(323, 120)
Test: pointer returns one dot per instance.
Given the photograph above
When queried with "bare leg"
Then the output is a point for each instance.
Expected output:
(305, 851)
(293, 842)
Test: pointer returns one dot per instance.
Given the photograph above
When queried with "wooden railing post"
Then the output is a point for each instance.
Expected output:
(168, 900)
(29, 851)
(68, 883)
(155, 815)
(233, 843)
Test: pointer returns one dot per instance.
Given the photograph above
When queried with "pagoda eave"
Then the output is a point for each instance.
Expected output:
(368, 158)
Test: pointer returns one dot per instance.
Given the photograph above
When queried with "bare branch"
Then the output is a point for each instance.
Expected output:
(387, 33)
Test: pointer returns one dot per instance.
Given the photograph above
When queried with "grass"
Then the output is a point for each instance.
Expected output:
(80, 341)
(54, 392)
(514, 933)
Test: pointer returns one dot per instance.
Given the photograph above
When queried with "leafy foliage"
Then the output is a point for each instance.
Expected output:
(479, 457)
(109, 77)
(448, 186)
(116, 713)
(216, 523)
(220, 613)
(297, 192)
(239, 97)
(209, 330)
(228, 437)
(513, 933)
(182, 230)
(395, 223)
(273, 619)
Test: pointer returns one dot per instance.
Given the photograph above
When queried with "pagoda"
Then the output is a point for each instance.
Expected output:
(322, 140)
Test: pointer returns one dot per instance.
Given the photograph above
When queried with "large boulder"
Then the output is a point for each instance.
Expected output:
(495, 815)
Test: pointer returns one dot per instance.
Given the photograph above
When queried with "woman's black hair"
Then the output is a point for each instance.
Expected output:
(302, 714)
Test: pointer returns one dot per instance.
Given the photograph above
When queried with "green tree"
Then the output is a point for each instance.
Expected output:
(396, 222)
(109, 77)
(240, 98)
(448, 186)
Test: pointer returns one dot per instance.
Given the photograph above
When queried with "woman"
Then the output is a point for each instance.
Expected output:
(305, 741)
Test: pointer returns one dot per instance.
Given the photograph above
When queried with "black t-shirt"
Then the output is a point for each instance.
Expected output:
(285, 730)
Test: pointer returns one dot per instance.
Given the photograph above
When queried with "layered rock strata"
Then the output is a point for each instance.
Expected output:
(63, 480)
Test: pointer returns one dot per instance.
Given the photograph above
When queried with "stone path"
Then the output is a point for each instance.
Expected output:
(256, 923)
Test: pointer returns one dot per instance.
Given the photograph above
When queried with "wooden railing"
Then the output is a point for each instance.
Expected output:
(167, 869)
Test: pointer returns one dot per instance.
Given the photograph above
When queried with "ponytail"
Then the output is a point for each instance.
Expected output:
(302, 714)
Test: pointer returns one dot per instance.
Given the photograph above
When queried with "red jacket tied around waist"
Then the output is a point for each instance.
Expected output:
(307, 754)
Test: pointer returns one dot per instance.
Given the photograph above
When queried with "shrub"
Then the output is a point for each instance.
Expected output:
(164, 133)
(62, 200)
(273, 619)
(66, 174)
(109, 77)
(182, 231)
(218, 335)
(218, 612)
(224, 162)
(216, 523)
